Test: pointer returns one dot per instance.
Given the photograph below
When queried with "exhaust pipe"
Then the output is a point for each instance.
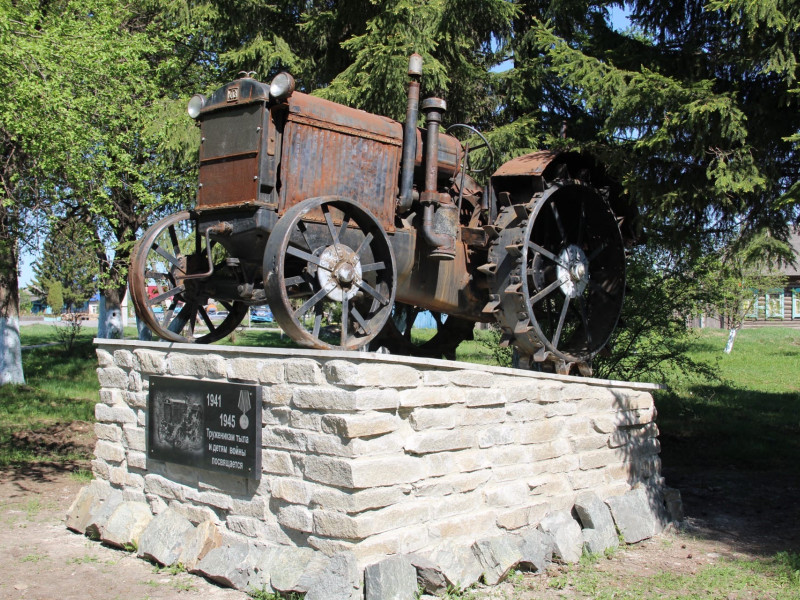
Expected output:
(406, 197)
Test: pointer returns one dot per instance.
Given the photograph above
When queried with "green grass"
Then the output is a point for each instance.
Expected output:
(266, 595)
(750, 417)
(33, 558)
(776, 577)
(175, 569)
(260, 338)
(80, 560)
(475, 351)
(81, 475)
(59, 389)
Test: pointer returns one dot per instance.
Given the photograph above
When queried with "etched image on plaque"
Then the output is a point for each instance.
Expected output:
(179, 424)
(208, 424)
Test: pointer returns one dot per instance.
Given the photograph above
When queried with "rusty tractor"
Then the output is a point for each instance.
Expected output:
(347, 224)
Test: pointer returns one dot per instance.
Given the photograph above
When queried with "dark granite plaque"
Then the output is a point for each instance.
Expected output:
(207, 424)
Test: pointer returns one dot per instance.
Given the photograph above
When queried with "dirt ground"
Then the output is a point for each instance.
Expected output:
(729, 514)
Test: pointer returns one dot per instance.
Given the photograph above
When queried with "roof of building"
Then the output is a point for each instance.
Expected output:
(793, 270)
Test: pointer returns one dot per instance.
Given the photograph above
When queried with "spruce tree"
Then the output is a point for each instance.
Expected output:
(68, 259)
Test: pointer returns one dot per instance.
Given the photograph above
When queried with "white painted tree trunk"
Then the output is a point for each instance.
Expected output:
(10, 352)
(10, 346)
(109, 321)
(731, 337)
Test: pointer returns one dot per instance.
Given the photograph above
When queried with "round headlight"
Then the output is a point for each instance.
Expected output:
(281, 87)
(196, 104)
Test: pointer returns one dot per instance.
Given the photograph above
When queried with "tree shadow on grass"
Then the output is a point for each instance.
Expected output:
(720, 426)
(735, 456)
(44, 453)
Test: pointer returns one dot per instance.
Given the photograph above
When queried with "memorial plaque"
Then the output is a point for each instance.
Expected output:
(207, 424)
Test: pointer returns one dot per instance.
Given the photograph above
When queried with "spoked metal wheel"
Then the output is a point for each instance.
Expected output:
(330, 274)
(470, 165)
(573, 275)
(169, 283)
(397, 339)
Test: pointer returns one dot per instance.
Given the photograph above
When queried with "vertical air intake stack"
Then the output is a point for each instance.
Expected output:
(406, 197)
(440, 214)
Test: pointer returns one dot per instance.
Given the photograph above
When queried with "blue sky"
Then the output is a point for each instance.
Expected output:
(26, 271)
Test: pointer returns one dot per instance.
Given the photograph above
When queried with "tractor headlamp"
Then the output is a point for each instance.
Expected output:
(282, 86)
(196, 104)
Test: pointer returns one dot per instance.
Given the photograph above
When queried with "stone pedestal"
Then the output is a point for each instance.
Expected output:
(368, 456)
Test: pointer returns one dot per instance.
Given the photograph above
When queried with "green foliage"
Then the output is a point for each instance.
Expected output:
(130, 546)
(376, 78)
(774, 23)
(685, 143)
(491, 340)
(68, 259)
(173, 569)
(652, 338)
(695, 116)
(55, 295)
(25, 301)
(87, 82)
(357, 53)
(590, 558)
(788, 564)
(610, 552)
(68, 333)
(738, 272)
(457, 40)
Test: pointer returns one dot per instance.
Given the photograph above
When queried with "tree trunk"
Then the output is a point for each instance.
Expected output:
(145, 334)
(731, 337)
(10, 346)
(109, 319)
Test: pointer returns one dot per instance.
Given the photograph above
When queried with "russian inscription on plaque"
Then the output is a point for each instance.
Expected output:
(207, 424)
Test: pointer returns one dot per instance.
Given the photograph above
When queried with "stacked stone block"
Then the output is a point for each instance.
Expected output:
(376, 455)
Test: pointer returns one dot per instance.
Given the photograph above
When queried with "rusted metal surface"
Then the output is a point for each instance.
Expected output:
(330, 115)
(473, 236)
(314, 264)
(229, 157)
(241, 91)
(448, 157)
(231, 132)
(171, 286)
(442, 286)
(228, 183)
(530, 164)
(322, 142)
(406, 197)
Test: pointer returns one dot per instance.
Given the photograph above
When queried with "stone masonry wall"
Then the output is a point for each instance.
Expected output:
(377, 455)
